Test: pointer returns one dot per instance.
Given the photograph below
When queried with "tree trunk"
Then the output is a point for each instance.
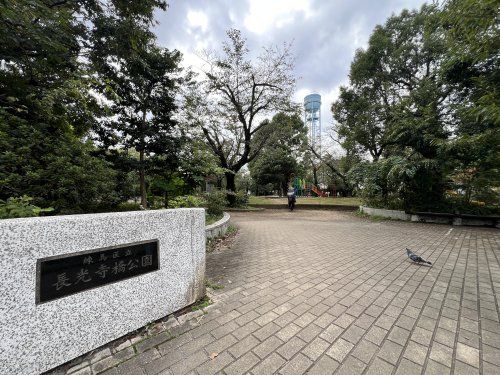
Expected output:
(315, 175)
(142, 174)
(231, 188)
(284, 188)
(142, 180)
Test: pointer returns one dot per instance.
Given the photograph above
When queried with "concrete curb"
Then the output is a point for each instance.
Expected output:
(218, 228)
(391, 214)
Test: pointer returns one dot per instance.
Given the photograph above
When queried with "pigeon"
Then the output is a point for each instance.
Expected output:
(415, 257)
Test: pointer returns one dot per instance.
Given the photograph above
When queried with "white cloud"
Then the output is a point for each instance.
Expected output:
(268, 14)
(197, 18)
(326, 35)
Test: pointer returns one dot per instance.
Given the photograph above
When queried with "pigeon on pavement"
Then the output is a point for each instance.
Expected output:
(415, 257)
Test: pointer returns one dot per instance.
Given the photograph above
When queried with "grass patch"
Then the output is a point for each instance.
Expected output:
(320, 201)
(231, 229)
(201, 304)
(210, 219)
(360, 213)
(213, 285)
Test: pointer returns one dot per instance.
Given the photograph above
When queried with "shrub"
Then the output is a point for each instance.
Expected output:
(186, 201)
(240, 198)
(458, 206)
(155, 202)
(216, 201)
(20, 207)
(127, 206)
(391, 203)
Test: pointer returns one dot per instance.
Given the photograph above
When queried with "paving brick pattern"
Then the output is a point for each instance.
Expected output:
(325, 292)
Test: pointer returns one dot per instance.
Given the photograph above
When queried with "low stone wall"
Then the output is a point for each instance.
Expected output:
(432, 217)
(307, 206)
(459, 219)
(37, 337)
(391, 214)
(218, 228)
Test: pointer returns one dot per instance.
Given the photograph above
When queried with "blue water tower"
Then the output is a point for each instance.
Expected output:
(312, 119)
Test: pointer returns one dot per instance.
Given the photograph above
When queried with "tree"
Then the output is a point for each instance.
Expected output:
(359, 122)
(342, 164)
(140, 80)
(187, 172)
(286, 139)
(197, 162)
(326, 159)
(471, 69)
(46, 110)
(274, 167)
(234, 93)
(394, 82)
(423, 102)
(76, 72)
(395, 105)
(286, 131)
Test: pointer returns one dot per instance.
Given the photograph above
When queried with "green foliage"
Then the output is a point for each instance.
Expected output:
(196, 163)
(344, 164)
(275, 166)
(20, 207)
(376, 185)
(393, 90)
(140, 79)
(128, 206)
(231, 229)
(216, 201)
(240, 198)
(471, 69)
(164, 184)
(423, 102)
(49, 107)
(209, 219)
(46, 109)
(55, 168)
(213, 285)
(393, 111)
(286, 131)
(285, 140)
(452, 204)
(201, 304)
(244, 182)
(186, 201)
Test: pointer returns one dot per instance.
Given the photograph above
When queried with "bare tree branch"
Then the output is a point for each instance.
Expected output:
(234, 93)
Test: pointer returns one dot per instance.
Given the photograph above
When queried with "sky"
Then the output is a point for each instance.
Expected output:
(325, 34)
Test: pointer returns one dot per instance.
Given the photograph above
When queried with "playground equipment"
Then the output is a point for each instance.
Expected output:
(305, 189)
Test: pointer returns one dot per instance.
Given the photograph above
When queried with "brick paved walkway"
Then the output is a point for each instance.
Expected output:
(323, 292)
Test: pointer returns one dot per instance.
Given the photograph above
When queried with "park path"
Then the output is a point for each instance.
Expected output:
(324, 292)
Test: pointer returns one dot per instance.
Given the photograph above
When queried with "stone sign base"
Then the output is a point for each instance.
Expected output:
(39, 337)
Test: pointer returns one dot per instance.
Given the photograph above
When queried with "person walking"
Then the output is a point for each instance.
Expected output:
(291, 199)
